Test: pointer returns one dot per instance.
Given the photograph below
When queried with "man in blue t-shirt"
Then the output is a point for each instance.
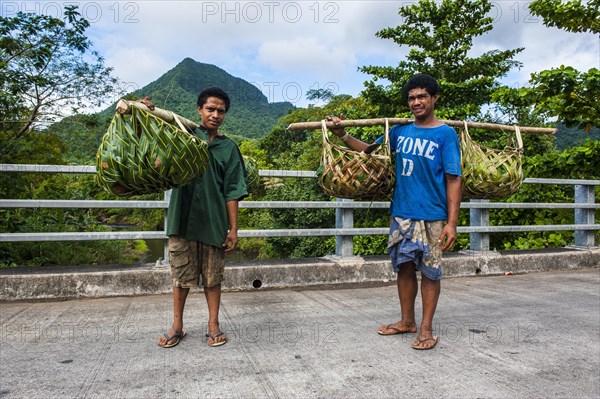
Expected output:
(425, 205)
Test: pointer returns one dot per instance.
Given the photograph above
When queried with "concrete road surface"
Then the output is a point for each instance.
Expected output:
(533, 335)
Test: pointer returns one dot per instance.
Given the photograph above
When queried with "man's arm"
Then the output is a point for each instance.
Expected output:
(231, 239)
(352, 142)
(453, 198)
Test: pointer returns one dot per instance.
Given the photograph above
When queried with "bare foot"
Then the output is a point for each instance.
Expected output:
(398, 328)
(215, 336)
(171, 338)
(425, 340)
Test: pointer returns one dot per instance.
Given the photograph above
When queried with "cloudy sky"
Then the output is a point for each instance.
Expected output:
(286, 48)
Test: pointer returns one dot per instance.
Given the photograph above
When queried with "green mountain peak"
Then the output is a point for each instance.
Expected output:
(251, 115)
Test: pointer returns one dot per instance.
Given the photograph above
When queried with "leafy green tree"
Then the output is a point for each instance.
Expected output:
(570, 15)
(47, 67)
(440, 36)
(319, 94)
(582, 162)
(564, 93)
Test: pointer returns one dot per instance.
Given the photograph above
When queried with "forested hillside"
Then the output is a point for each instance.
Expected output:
(250, 115)
(566, 137)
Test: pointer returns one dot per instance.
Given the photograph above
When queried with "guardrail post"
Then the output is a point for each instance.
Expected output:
(344, 219)
(584, 195)
(479, 217)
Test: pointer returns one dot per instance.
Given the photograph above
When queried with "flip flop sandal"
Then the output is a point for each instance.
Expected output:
(418, 342)
(215, 343)
(177, 336)
(395, 330)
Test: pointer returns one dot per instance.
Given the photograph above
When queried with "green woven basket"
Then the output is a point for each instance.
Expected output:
(490, 173)
(252, 178)
(142, 154)
(354, 174)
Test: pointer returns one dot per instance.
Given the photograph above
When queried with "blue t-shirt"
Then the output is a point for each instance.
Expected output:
(423, 156)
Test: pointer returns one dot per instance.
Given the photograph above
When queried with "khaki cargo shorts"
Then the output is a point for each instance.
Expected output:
(191, 259)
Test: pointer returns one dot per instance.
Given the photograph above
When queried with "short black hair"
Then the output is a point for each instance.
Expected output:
(213, 92)
(421, 80)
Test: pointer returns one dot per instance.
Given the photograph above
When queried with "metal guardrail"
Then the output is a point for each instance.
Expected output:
(479, 229)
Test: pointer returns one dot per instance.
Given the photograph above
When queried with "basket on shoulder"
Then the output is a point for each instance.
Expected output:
(141, 153)
(487, 173)
(152, 150)
(490, 173)
(356, 174)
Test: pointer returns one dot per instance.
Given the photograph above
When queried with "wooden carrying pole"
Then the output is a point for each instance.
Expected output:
(124, 107)
(405, 121)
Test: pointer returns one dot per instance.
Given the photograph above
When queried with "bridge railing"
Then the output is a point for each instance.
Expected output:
(479, 229)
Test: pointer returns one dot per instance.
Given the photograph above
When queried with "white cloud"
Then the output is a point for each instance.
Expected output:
(137, 64)
(548, 47)
(306, 55)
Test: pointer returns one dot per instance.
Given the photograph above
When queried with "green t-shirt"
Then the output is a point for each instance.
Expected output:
(197, 211)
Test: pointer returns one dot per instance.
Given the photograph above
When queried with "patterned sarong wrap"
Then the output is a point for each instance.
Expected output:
(416, 241)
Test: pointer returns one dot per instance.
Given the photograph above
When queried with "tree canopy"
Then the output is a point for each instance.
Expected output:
(47, 69)
(564, 93)
(440, 35)
(570, 15)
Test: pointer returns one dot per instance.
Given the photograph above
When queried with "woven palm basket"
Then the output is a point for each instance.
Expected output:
(354, 174)
(252, 178)
(141, 154)
(490, 173)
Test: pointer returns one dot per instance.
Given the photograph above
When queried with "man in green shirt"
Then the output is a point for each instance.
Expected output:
(202, 221)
